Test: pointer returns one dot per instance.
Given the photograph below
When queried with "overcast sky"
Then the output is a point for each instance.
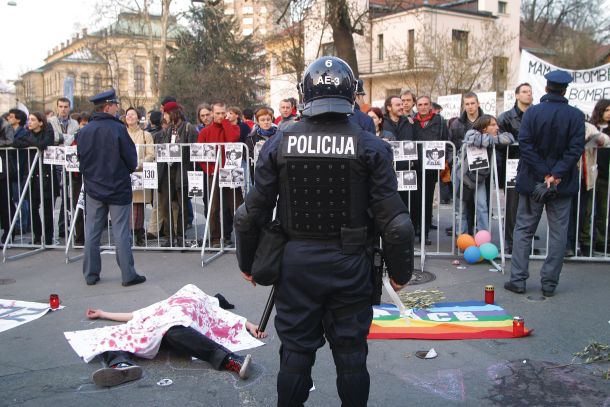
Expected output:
(33, 27)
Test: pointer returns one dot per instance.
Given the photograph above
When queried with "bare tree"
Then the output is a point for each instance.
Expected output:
(573, 29)
(442, 68)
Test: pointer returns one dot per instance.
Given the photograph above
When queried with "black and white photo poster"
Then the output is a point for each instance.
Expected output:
(407, 180)
(136, 181)
(396, 150)
(233, 155)
(511, 172)
(196, 152)
(257, 151)
(162, 153)
(54, 155)
(231, 177)
(477, 158)
(409, 150)
(195, 179)
(150, 179)
(434, 155)
(209, 153)
(71, 159)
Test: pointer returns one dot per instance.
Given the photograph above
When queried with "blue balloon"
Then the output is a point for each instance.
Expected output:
(472, 254)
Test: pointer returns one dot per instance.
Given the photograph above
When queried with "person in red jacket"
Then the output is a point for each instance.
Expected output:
(220, 131)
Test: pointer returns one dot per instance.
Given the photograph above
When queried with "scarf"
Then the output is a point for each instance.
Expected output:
(266, 133)
(423, 120)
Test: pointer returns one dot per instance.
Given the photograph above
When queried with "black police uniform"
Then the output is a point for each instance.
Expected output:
(331, 176)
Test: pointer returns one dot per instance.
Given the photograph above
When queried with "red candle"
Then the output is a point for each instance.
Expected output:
(518, 326)
(489, 294)
(54, 301)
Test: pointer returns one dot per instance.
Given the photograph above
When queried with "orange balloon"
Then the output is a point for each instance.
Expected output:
(464, 241)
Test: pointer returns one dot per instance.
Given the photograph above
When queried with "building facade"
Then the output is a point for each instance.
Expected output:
(431, 47)
(124, 55)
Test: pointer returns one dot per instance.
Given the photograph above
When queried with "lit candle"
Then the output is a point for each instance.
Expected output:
(54, 301)
(489, 294)
(518, 326)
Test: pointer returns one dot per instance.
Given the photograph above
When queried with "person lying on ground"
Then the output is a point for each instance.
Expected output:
(190, 322)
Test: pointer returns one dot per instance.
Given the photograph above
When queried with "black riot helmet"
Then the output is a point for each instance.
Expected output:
(328, 86)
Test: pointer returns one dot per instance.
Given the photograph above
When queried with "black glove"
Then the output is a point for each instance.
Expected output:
(542, 193)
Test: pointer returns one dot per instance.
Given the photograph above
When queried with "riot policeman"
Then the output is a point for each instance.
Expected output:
(337, 195)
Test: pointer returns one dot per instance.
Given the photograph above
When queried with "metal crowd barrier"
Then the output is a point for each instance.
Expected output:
(221, 183)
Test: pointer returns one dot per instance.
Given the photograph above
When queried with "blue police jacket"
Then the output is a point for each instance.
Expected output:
(551, 141)
(362, 119)
(107, 156)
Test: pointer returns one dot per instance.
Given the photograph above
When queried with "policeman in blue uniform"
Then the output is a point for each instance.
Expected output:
(551, 141)
(337, 194)
(359, 117)
(107, 157)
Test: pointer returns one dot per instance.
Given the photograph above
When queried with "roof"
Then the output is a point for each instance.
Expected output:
(381, 7)
(135, 24)
(602, 53)
(534, 47)
(83, 55)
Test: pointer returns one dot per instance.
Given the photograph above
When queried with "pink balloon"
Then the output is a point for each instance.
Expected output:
(482, 237)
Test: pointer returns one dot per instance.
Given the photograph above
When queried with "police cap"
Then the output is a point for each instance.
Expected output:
(558, 79)
(360, 87)
(108, 96)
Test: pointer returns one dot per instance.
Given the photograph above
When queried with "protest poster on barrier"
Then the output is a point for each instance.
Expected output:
(136, 181)
(511, 172)
(434, 155)
(452, 106)
(477, 158)
(407, 180)
(231, 177)
(195, 181)
(54, 155)
(487, 100)
(71, 159)
(150, 178)
(233, 155)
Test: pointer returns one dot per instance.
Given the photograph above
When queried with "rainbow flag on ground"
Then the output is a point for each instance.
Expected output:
(447, 320)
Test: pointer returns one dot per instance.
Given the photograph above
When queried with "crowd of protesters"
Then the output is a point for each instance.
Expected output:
(404, 117)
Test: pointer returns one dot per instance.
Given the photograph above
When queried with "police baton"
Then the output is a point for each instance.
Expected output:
(267, 312)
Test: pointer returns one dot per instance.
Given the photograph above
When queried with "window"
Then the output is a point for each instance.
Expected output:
(229, 11)
(138, 79)
(247, 10)
(328, 49)
(392, 92)
(459, 41)
(411, 50)
(500, 73)
(501, 7)
(156, 68)
(84, 80)
(247, 31)
(247, 21)
(380, 47)
(97, 83)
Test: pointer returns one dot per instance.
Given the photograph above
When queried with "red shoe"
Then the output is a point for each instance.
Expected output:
(238, 364)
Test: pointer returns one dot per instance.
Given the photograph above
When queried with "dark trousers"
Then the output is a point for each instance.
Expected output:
(185, 340)
(512, 203)
(323, 293)
(79, 229)
(47, 209)
(172, 191)
(7, 209)
(416, 206)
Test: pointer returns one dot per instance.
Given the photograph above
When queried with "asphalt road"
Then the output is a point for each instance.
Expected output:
(38, 367)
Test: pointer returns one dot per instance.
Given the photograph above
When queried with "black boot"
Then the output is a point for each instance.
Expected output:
(140, 237)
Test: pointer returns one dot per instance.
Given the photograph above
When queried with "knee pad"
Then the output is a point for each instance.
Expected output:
(296, 362)
(350, 359)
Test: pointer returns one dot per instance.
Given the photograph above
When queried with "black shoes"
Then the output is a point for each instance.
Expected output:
(511, 287)
(138, 280)
(238, 364)
(92, 280)
(113, 376)
(548, 293)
